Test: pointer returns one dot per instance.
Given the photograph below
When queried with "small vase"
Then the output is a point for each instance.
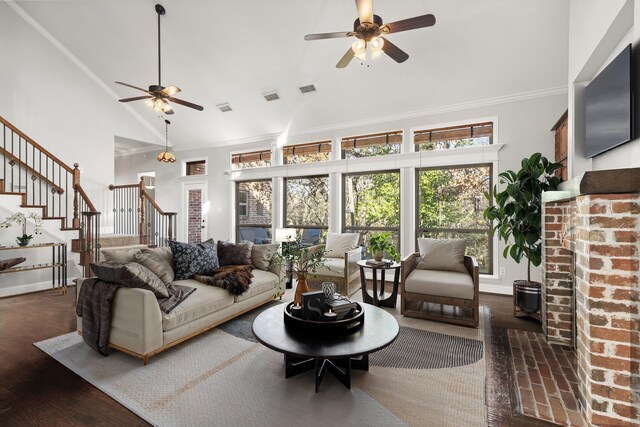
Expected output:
(301, 288)
(378, 256)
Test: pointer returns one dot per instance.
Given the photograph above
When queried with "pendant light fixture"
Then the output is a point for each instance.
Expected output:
(166, 156)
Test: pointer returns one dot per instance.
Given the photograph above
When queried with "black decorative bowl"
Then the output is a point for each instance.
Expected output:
(324, 327)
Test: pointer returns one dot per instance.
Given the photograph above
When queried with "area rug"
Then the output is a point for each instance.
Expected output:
(432, 375)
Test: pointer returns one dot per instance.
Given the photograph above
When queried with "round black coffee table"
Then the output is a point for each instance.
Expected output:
(337, 354)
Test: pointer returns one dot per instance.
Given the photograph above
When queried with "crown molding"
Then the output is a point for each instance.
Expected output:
(81, 65)
(486, 102)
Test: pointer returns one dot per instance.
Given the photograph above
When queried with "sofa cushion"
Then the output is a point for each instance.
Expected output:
(131, 275)
(205, 300)
(339, 243)
(190, 259)
(263, 281)
(234, 253)
(448, 284)
(442, 254)
(333, 267)
(261, 255)
(119, 254)
(157, 263)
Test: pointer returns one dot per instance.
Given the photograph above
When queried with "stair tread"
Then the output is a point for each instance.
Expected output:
(13, 193)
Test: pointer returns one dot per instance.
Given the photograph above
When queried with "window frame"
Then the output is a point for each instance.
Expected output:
(343, 151)
(419, 230)
(451, 126)
(352, 229)
(237, 203)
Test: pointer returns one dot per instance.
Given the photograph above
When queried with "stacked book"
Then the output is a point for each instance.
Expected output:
(383, 263)
(343, 307)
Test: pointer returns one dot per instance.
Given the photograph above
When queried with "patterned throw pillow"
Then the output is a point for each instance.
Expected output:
(131, 275)
(234, 253)
(190, 259)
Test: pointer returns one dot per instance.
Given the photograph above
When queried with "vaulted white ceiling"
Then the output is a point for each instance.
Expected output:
(234, 51)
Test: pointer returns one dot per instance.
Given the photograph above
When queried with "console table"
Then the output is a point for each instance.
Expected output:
(58, 264)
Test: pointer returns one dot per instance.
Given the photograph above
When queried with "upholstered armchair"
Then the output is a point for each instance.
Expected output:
(342, 254)
(454, 288)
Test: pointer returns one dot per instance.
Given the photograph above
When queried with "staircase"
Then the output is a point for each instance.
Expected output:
(42, 182)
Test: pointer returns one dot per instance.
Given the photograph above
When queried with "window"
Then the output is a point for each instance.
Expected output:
(242, 203)
(253, 219)
(198, 167)
(307, 153)
(306, 206)
(378, 144)
(454, 137)
(253, 159)
(450, 202)
(371, 203)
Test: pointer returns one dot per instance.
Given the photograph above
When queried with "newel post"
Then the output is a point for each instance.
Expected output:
(76, 184)
(142, 230)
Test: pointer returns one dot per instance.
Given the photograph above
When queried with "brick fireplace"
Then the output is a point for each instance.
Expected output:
(590, 294)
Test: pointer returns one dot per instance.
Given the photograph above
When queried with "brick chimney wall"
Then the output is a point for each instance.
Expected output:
(603, 232)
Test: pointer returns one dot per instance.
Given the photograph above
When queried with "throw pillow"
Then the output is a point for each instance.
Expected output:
(261, 255)
(190, 259)
(442, 254)
(157, 263)
(339, 243)
(119, 255)
(236, 279)
(164, 252)
(234, 253)
(131, 275)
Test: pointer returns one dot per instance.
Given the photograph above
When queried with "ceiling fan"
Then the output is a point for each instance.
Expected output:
(158, 96)
(369, 29)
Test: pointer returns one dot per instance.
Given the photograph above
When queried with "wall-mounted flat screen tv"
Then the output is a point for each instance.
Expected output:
(609, 104)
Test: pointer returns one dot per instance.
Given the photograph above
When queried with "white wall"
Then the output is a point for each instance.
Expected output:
(57, 104)
(523, 127)
(598, 31)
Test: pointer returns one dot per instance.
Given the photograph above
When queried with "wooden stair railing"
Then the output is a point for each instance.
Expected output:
(137, 213)
(43, 181)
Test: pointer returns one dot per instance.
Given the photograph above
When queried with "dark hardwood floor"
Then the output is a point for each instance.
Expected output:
(37, 390)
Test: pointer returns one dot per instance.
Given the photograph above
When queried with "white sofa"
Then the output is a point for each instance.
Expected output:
(141, 329)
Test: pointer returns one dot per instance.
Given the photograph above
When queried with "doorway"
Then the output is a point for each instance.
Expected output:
(194, 197)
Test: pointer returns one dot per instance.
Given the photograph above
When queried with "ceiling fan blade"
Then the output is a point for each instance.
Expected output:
(394, 51)
(133, 87)
(346, 59)
(320, 36)
(171, 90)
(412, 23)
(365, 10)
(135, 98)
(185, 103)
(168, 110)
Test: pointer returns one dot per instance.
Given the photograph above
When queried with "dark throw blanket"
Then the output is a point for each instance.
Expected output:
(236, 279)
(95, 303)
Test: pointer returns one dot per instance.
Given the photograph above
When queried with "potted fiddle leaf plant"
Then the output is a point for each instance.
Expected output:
(379, 244)
(516, 211)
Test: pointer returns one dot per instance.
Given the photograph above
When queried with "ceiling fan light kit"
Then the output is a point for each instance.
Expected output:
(158, 96)
(369, 29)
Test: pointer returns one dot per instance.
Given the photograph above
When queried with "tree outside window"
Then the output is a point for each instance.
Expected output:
(307, 206)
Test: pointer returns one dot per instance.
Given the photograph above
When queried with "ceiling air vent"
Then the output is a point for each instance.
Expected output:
(307, 89)
(271, 96)
(226, 107)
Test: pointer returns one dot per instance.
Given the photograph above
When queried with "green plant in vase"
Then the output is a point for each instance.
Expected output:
(303, 259)
(379, 244)
(21, 218)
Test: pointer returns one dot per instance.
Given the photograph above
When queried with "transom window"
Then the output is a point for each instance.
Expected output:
(376, 144)
(253, 159)
(197, 167)
(450, 202)
(454, 137)
(307, 153)
(306, 206)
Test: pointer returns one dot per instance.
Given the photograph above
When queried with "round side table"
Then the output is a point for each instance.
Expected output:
(378, 298)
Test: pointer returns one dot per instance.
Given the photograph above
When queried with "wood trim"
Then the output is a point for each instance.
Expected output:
(453, 133)
(31, 170)
(372, 140)
(35, 144)
(117, 187)
(253, 156)
(85, 198)
(560, 121)
(154, 204)
(145, 357)
(307, 148)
